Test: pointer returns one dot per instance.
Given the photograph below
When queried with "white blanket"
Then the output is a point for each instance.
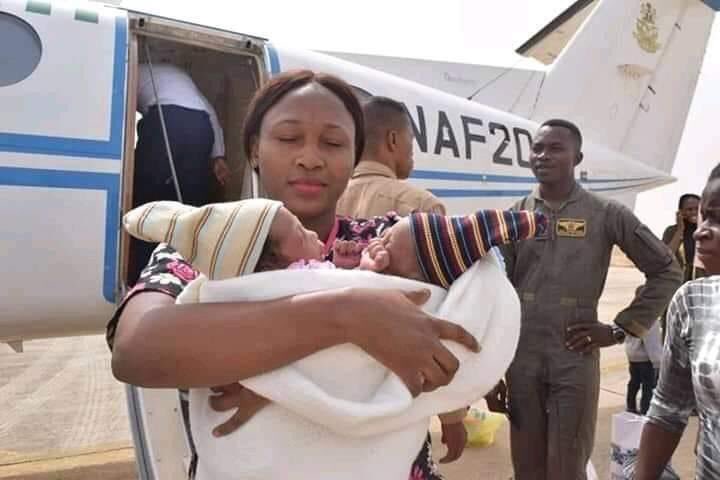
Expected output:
(339, 414)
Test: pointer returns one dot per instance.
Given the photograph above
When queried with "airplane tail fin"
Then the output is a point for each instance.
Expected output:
(625, 71)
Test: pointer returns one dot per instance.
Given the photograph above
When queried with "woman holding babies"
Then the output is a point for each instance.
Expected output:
(303, 135)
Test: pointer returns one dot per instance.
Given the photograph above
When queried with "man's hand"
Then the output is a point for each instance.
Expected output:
(497, 398)
(585, 338)
(221, 170)
(454, 437)
(246, 402)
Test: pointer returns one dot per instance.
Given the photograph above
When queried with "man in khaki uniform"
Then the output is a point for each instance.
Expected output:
(377, 185)
(553, 382)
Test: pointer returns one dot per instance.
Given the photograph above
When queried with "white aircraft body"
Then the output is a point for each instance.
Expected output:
(624, 70)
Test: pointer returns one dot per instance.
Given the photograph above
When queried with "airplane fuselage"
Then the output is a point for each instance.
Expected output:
(67, 139)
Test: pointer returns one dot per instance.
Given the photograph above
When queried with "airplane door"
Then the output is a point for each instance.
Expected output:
(62, 115)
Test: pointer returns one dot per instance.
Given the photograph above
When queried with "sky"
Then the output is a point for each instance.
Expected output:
(468, 31)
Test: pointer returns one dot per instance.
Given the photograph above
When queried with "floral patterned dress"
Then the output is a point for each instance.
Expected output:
(168, 272)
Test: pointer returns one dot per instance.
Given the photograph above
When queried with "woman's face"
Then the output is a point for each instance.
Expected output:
(689, 210)
(305, 151)
(707, 235)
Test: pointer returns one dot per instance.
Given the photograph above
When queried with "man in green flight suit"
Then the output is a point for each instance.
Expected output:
(553, 383)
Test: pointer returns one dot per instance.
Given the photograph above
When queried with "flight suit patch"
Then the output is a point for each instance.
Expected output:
(571, 227)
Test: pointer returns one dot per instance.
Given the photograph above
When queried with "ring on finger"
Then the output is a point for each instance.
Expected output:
(589, 340)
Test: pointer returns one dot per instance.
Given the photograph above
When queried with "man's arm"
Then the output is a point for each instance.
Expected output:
(654, 259)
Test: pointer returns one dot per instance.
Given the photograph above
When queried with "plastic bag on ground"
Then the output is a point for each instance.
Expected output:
(626, 432)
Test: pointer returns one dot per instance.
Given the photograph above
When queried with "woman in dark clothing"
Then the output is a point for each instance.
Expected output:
(679, 237)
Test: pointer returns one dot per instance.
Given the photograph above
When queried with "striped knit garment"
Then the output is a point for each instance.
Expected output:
(221, 240)
(447, 246)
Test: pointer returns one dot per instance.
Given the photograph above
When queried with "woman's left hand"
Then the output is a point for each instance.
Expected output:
(246, 402)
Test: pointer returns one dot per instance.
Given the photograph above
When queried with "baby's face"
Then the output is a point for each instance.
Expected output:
(399, 243)
(292, 241)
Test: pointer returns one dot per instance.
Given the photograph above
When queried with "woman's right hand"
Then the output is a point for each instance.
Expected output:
(390, 326)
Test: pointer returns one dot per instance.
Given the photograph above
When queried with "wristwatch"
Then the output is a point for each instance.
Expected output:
(618, 334)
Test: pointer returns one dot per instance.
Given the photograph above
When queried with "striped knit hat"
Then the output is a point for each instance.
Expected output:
(221, 240)
(447, 246)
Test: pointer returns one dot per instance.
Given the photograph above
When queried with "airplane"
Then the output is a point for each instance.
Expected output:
(624, 70)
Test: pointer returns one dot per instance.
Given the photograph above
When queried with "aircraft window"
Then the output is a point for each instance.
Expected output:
(20, 49)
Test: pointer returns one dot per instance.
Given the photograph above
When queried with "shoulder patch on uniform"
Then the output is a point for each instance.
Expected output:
(571, 227)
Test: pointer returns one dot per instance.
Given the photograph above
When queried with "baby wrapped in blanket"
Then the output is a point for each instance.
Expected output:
(333, 409)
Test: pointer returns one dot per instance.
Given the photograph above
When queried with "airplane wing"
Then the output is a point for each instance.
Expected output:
(546, 45)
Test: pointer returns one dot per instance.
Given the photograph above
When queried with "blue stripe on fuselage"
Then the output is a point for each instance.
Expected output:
(477, 193)
(76, 147)
(484, 177)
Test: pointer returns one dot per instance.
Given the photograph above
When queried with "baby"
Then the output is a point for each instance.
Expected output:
(426, 247)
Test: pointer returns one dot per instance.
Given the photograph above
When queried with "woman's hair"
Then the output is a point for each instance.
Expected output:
(275, 89)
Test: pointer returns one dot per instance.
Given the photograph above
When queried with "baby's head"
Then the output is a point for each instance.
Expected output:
(399, 243)
(287, 242)
(438, 248)
(225, 240)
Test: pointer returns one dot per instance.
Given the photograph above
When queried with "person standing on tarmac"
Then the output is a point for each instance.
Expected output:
(679, 237)
(554, 380)
(644, 358)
